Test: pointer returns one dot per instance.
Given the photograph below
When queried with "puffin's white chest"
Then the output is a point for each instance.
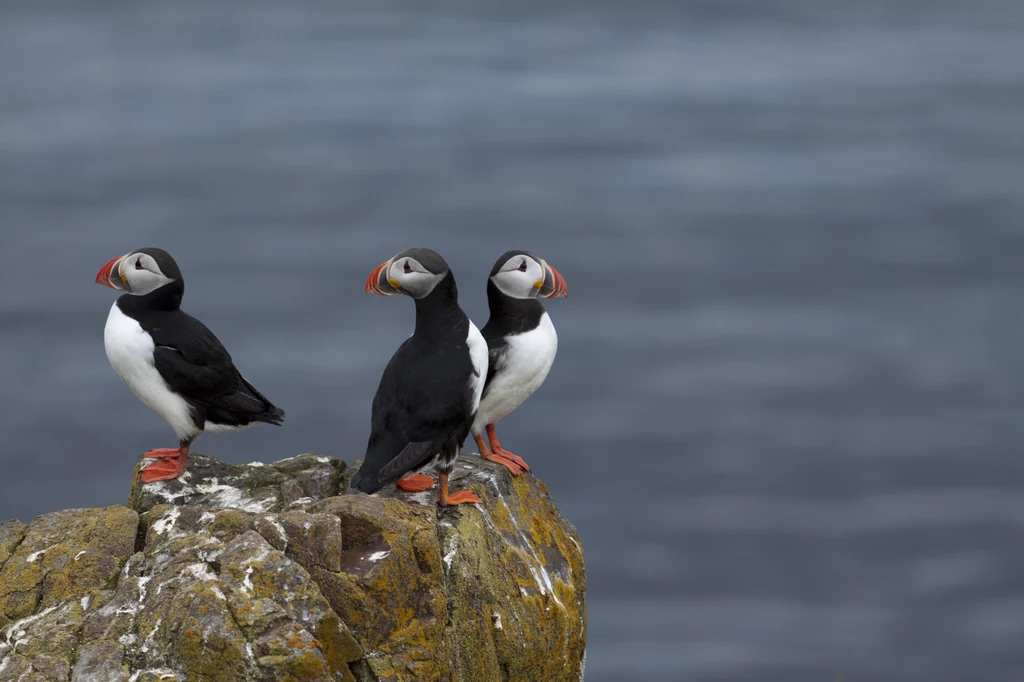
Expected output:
(130, 352)
(522, 370)
(478, 356)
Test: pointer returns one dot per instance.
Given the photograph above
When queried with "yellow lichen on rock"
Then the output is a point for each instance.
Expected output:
(389, 588)
(516, 584)
(247, 574)
(62, 556)
(60, 567)
(11, 534)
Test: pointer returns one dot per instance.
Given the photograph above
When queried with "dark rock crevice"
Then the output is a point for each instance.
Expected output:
(362, 671)
(140, 535)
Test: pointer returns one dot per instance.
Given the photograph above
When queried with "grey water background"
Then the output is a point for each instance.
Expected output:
(786, 411)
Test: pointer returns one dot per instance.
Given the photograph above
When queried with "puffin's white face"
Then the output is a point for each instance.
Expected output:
(136, 273)
(410, 276)
(415, 273)
(521, 276)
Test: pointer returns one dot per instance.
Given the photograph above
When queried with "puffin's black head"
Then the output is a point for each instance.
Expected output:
(414, 272)
(520, 274)
(140, 272)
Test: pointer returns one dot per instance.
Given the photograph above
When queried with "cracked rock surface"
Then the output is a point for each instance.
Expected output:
(271, 573)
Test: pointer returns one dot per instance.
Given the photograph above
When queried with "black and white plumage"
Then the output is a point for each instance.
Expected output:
(521, 345)
(431, 387)
(171, 361)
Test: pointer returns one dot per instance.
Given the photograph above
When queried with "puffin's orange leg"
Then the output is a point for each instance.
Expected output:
(513, 468)
(416, 483)
(502, 452)
(464, 497)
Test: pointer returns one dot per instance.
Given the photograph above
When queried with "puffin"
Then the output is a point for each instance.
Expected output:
(430, 390)
(521, 345)
(171, 361)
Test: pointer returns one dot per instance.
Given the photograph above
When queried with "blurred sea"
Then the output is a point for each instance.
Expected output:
(786, 412)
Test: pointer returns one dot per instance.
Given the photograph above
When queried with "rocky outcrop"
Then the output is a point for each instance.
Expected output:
(273, 573)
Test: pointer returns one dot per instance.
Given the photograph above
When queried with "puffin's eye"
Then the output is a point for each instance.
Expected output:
(407, 269)
(138, 264)
(522, 267)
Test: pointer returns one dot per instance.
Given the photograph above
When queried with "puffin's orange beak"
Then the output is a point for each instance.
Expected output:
(554, 284)
(377, 282)
(110, 274)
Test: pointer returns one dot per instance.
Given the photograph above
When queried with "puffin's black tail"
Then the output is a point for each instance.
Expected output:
(243, 407)
(235, 413)
(274, 415)
(268, 412)
(365, 483)
(376, 471)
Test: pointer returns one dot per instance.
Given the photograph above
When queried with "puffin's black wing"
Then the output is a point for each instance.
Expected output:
(497, 352)
(195, 365)
(422, 402)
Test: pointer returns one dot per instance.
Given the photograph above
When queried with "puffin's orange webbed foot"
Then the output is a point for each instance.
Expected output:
(464, 497)
(163, 470)
(502, 452)
(416, 483)
(485, 453)
(170, 463)
(512, 467)
(513, 458)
